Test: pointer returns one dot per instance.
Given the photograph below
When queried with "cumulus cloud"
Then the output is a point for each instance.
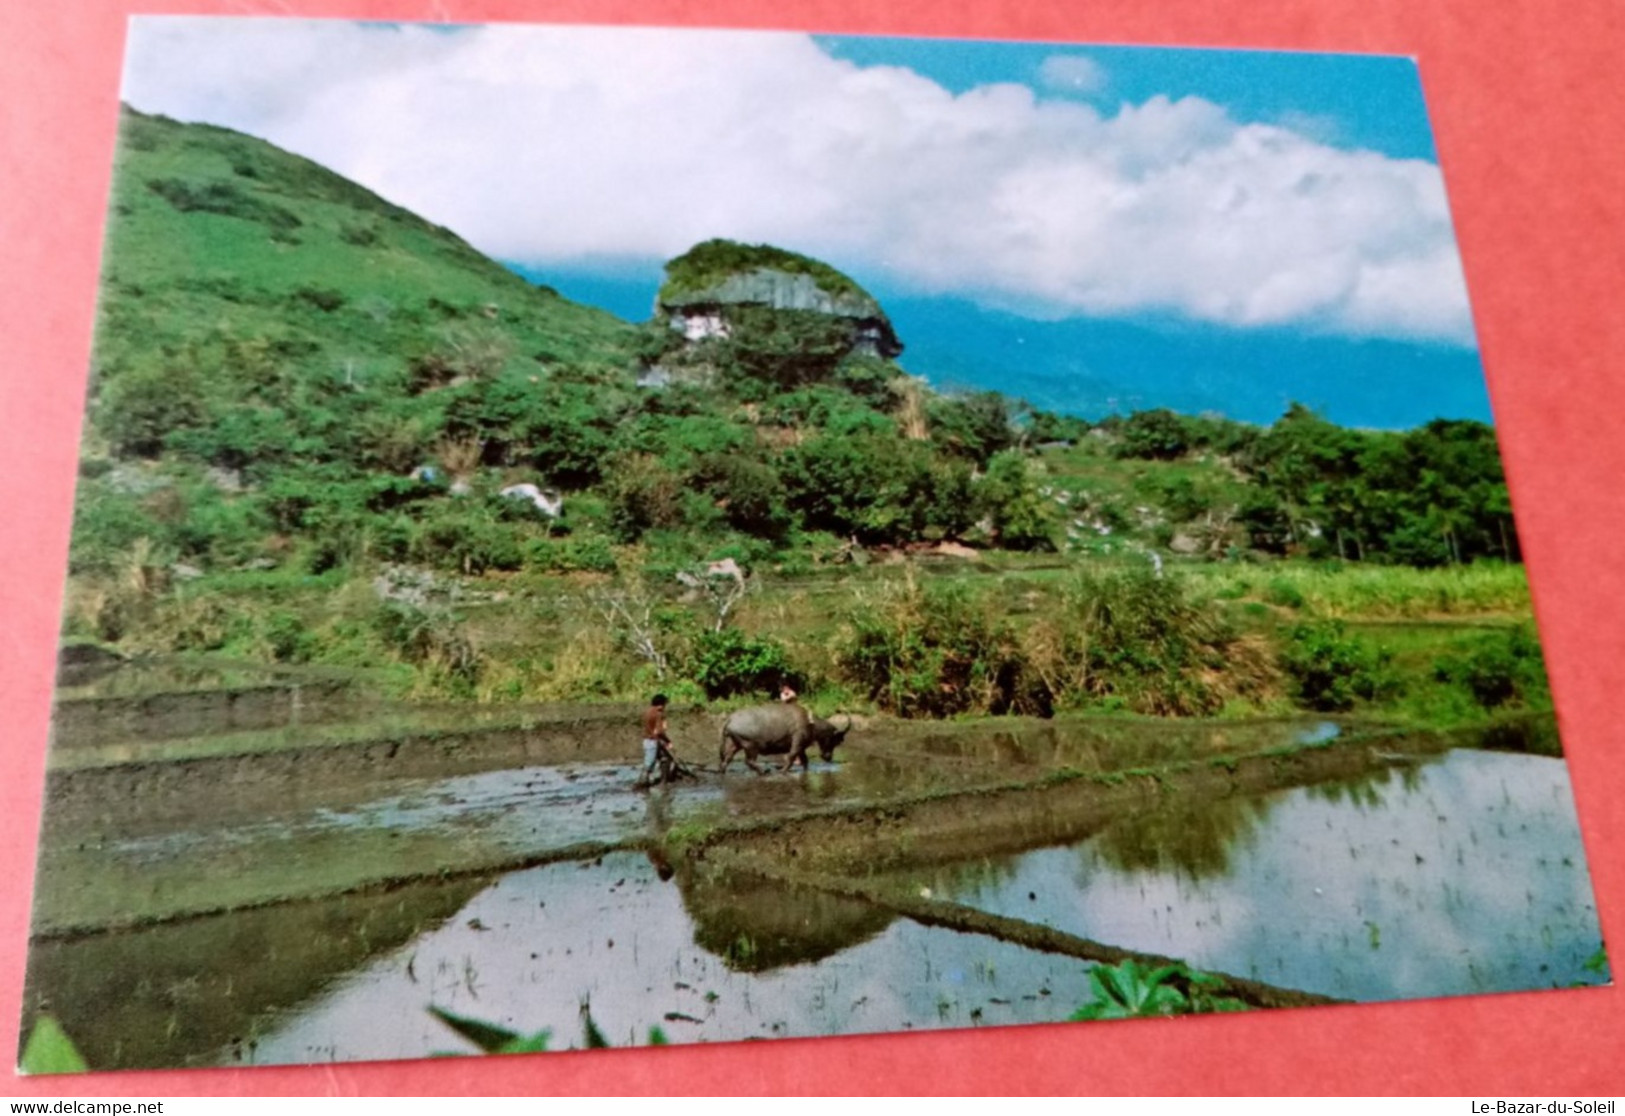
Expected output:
(553, 146)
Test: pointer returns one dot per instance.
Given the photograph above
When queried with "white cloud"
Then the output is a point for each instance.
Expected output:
(558, 145)
(1077, 74)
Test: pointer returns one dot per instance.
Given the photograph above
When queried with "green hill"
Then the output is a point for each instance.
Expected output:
(212, 230)
(292, 372)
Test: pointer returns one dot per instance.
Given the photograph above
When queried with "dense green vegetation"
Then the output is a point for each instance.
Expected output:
(306, 403)
(711, 262)
(1432, 496)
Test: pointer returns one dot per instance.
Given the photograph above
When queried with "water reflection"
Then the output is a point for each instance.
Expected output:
(1186, 836)
(1449, 876)
(1463, 874)
(183, 993)
(1536, 736)
(754, 926)
(527, 950)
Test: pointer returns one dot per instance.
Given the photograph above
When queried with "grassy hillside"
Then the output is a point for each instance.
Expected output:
(215, 232)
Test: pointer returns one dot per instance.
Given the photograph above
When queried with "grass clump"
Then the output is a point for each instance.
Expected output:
(1131, 640)
(1347, 590)
(1124, 640)
(225, 199)
(434, 641)
(937, 651)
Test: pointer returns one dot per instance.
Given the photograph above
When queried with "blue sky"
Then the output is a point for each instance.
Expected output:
(1101, 205)
(1347, 100)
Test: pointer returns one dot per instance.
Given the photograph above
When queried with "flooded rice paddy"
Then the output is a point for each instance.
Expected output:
(1459, 875)
(312, 904)
(533, 947)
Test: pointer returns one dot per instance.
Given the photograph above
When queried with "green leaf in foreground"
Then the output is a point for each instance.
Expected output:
(50, 1050)
(491, 1038)
(590, 1033)
(1127, 991)
(1131, 991)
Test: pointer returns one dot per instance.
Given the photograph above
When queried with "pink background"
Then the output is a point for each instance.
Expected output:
(1526, 99)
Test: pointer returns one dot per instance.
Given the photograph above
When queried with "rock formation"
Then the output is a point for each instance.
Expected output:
(707, 284)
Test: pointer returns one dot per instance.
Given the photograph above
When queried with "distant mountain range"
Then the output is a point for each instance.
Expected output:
(1094, 367)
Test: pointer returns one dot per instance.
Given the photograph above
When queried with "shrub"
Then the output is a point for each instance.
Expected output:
(237, 437)
(563, 430)
(338, 545)
(467, 541)
(1182, 498)
(1007, 495)
(1331, 670)
(879, 488)
(197, 624)
(975, 425)
(644, 494)
(749, 492)
(1501, 669)
(392, 441)
(219, 529)
(390, 538)
(770, 349)
(584, 553)
(226, 199)
(936, 652)
(362, 236)
(288, 639)
(1284, 593)
(139, 409)
(1140, 641)
(869, 378)
(106, 525)
(431, 639)
(1159, 435)
(730, 662)
(325, 299)
(312, 500)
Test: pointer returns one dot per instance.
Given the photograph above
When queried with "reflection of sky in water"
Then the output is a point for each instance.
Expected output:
(528, 950)
(1321, 732)
(1465, 875)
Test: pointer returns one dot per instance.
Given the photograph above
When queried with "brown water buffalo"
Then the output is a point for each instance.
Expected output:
(784, 728)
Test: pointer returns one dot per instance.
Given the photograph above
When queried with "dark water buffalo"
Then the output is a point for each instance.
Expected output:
(784, 728)
(827, 736)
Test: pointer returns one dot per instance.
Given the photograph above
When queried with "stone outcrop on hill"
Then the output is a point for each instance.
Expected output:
(705, 284)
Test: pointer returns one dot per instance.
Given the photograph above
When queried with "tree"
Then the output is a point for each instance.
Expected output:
(1008, 496)
(1159, 435)
(975, 425)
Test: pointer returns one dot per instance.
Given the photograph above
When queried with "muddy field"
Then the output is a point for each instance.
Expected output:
(281, 869)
